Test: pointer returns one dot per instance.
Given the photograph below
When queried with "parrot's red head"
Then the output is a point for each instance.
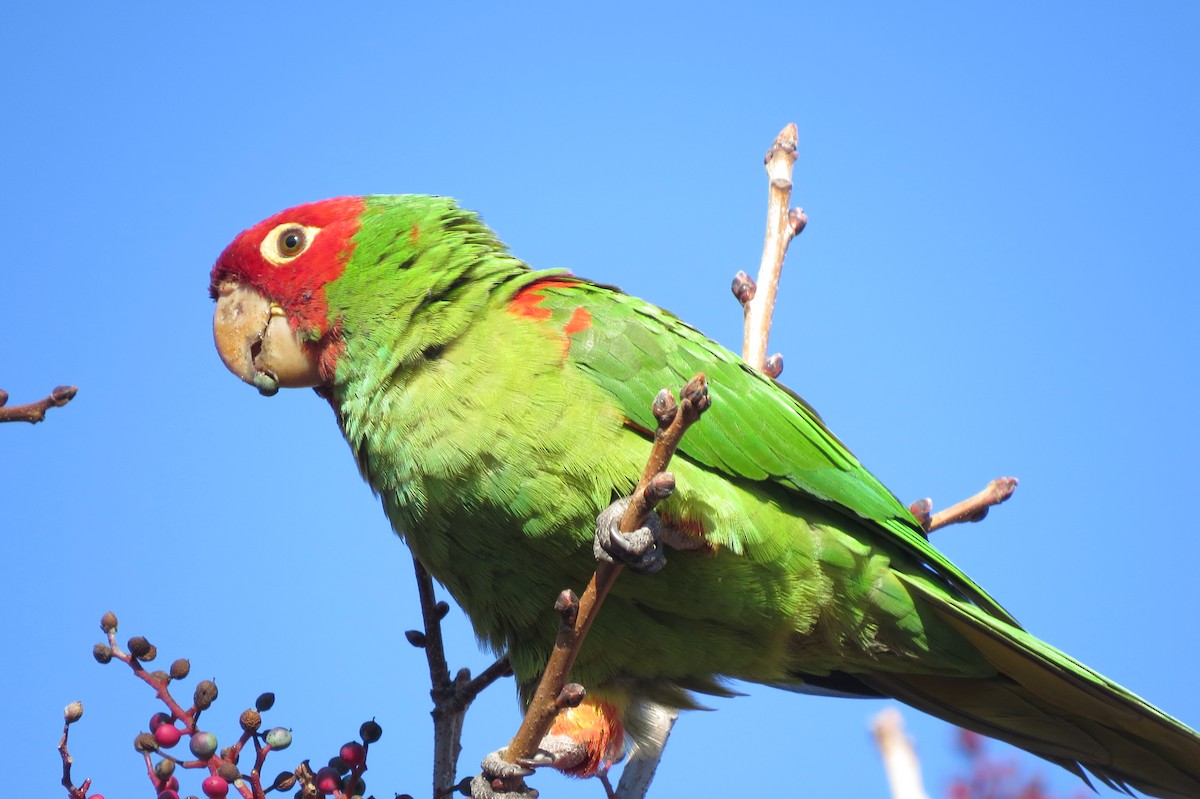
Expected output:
(272, 324)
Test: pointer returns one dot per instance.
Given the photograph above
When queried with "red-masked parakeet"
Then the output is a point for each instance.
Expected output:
(496, 411)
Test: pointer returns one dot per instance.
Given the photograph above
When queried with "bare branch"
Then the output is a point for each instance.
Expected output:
(674, 420)
(973, 509)
(34, 412)
(783, 224)
(451, 698)
(899, 757)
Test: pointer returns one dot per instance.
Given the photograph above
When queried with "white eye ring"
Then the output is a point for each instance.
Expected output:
(287, 242)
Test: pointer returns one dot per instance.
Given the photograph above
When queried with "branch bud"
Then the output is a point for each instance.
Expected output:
(744, 288)
(660, 487)
(73, 712)
(145, 742)
(773, 367)
(664, 407)
(108, 622)
(570, 696)
(922, 510)
(567, 607)
(797, 220)
(416, 638)
(231, 773)
(696, 392)
(180, 669)
(102, 653)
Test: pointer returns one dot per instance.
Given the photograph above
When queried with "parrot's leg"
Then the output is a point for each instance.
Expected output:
(641, 551)
(654, 721)
(584, 740)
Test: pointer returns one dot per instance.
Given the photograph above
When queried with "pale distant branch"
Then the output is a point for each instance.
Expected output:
(899, 758)
(34, 412)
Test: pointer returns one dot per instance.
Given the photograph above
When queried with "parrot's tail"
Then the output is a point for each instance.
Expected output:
(1053, 706)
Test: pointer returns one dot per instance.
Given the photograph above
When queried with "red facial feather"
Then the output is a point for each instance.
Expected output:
(299, 285)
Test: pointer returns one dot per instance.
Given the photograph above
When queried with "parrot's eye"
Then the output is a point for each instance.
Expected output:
(292, 241)
(286, 242)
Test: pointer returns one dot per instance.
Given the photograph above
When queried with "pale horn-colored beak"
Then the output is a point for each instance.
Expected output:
(257, 344)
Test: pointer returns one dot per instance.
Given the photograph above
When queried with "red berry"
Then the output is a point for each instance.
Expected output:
(353, 754)
(157, 720)
(327, 780)
(167, 735)
(173, 783)
(168, 795)
(215, 787)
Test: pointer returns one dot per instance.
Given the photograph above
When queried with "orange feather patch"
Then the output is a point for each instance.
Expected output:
(594, 724)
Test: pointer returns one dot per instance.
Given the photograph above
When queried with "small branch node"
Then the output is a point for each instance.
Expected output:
(743, 287)
(773, 367)
(798, 220)
(567, 607)
(571, 695)
(664, 408)
(922, 511)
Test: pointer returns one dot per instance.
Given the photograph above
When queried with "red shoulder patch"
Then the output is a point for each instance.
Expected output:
(528, 303)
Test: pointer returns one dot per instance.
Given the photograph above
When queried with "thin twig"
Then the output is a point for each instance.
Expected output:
(67, 762)
(34, 412)
(973, 509)
(899, 758)
(674, 421)
(451, 698)
(783, 223)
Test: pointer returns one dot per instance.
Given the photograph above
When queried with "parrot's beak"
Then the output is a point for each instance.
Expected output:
(257, 344)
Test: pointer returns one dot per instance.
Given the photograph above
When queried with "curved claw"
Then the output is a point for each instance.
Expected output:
(641, 550)
(502, 779)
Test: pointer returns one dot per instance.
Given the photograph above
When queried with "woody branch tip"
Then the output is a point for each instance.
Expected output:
(34, 412)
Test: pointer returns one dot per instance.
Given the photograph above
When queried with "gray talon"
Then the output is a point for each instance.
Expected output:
(500, 775)
(494, 765)
(641, 550)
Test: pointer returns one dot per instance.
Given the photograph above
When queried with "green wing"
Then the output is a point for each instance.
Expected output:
(756, 429)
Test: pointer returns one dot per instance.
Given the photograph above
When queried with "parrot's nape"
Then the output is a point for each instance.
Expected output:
(497, 411)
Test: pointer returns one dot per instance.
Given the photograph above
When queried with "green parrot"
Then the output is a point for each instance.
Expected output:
(497, 411)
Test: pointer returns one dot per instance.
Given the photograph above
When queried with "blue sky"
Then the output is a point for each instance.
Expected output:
(999, 276)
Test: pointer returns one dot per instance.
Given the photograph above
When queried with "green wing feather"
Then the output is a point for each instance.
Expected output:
(756, 429)
(1038, 697)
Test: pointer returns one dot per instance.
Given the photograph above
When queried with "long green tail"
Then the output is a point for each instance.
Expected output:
(1050, 704)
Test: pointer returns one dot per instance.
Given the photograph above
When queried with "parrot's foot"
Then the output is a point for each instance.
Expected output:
(502, 779)
(641, 551)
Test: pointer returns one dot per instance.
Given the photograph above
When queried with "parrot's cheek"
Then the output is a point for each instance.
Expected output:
(258, 345)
